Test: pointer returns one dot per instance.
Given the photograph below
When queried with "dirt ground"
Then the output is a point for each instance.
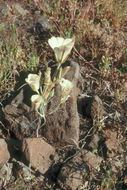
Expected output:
(100, 158)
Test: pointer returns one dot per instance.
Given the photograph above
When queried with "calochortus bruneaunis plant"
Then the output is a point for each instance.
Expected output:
(43, 96)
(45, 87)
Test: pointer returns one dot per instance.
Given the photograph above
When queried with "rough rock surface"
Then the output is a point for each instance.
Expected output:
(92, 107)
(76, 172)
(38, 153)
(62, 126)
(4, 153)
(20, 118)
(97, 108)
(113, 143)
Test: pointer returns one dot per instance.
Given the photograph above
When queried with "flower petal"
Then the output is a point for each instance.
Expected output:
(66, 87)
(59, 51)
(34, 81)
(60, 41)
(66, 83)
(52, 42)
(67, 41)
(36, 101)
(66, 53)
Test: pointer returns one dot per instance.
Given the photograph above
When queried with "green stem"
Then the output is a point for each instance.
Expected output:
(56, 72)
(59, 64)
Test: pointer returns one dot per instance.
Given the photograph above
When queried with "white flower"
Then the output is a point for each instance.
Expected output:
(34, 81)
(37, 101)
(61, 47)
(66, 87)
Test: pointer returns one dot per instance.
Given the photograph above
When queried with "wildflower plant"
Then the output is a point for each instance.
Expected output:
(45, 88)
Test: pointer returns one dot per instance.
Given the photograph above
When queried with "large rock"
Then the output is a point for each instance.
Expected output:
(4, 153)
(20, 118)
(38, 153)
(62, 126)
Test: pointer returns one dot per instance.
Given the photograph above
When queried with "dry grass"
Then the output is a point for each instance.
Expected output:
(99, 28)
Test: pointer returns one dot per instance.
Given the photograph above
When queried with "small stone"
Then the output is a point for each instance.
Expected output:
(42, 25)
(74, 172)
(92, 159)
(97, 108)
(113, 143)
(37, 152)
(4, 153)
(116, 164)
(6, 173)
(94, 141)
(92, 107)
(18, 8)
(20, 169)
